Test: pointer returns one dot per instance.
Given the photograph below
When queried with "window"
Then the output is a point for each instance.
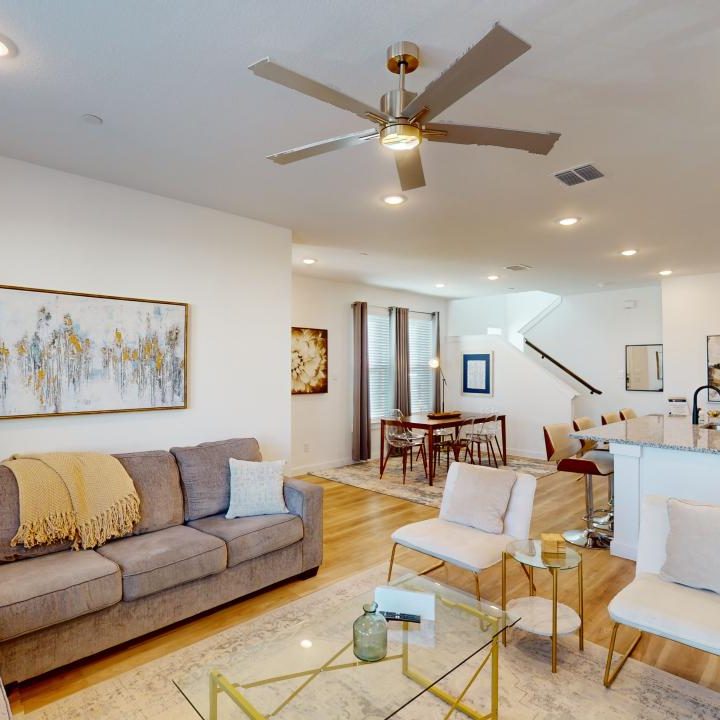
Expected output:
(379, 364)
(421, 352)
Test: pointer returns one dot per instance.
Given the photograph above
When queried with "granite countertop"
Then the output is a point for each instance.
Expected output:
(658, 431)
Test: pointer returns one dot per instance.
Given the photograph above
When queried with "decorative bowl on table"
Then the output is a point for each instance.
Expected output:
(447, 415)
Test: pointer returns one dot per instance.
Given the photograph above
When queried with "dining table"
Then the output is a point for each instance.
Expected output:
(421, 421)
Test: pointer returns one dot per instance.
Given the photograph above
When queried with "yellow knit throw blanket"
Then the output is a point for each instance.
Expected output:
(84, 497)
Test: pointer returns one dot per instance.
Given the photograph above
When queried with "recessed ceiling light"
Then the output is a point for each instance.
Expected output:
(91, 119)
(568, 221)
(7, 47)
(665, 272)
(493, 277)
(309, 261)
(439, 285)
(307, 644)
(629, 253)
(394, 199)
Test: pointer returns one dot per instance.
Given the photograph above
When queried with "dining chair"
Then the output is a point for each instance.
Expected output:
(458, 543)
(485, 430)
(400, 438)
(627, 414)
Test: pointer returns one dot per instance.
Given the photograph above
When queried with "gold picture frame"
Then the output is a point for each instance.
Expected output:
(69, 366)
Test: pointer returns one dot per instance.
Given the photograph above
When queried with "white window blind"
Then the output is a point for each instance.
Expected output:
(421, 352)
(379, 364)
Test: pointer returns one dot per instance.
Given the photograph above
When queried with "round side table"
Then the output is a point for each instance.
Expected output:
(539, 615)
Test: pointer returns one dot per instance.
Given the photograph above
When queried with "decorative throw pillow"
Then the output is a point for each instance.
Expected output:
(256, 488)
(693, 545)
(477, 497)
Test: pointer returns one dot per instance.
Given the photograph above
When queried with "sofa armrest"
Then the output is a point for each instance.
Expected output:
(306, 501)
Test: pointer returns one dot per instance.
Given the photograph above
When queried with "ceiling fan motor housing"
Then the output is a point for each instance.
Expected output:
(394, 101)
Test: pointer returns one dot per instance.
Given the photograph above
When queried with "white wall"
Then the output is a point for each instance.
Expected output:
(529, 396)
(322, 424)
(588, 333)
(64, 232)
(690, 314)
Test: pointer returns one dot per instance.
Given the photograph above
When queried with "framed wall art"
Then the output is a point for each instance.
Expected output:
(477, 374)
(309, 361)
(713, 366)
(69, 353)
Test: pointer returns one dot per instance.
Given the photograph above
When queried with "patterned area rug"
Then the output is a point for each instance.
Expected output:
(366, 475)
(528, 690)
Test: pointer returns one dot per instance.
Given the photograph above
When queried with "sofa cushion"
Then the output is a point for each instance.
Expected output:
(10, 522)
(251, 537)
(205, 473)
(48, 590)
(157, 481)
(164, 558)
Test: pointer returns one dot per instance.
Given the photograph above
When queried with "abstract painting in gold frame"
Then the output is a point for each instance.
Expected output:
(308, 361)
(70, 353)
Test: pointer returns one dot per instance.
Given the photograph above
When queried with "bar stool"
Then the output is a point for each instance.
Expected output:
(611, 417)
(564, 450)
(603, 517)
(627, 414)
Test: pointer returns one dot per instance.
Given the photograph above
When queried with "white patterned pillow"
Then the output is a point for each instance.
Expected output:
(256, 488)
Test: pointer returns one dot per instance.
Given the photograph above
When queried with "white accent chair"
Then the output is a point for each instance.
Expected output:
(5, 713)
(464, 546)
(651, 604)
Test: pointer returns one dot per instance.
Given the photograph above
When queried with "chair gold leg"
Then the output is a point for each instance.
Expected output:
(610, 676)
(392, 560)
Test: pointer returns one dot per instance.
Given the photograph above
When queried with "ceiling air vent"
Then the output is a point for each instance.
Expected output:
(580, 174)
(517, 268)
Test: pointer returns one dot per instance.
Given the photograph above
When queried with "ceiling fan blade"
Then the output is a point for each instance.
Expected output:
(540, 143)
(496, 50)
(269, 70)
(323, 146)
(410, 170)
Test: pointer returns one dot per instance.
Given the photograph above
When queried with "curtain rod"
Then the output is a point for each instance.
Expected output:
(384, 307)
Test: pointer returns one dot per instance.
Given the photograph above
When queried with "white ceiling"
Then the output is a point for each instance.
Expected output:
(631, 85)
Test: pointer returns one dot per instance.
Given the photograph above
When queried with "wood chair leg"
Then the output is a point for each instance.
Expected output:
(405, 451)
(610, 675)
(410, 453)
(497, 443)
(392, 560)
(424, 459)
(490, 447)
(477, 586)
(383, 462)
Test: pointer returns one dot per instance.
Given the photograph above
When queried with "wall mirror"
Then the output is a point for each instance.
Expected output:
(644, 368)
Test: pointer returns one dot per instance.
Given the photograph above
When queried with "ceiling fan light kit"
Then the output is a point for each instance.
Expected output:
(403, 117)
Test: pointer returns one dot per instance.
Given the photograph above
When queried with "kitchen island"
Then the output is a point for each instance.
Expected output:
(657, 455)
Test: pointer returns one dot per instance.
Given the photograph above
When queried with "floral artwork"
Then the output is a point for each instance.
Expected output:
(309, 361)
(66, 353)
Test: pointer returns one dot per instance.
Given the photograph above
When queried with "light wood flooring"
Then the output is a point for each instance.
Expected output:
(358, 524)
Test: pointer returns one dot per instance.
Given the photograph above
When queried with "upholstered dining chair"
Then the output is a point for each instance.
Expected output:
(611, 417)
(400, 438)
(627, 414)
(477, 491)
(565, 451)
(657, 606)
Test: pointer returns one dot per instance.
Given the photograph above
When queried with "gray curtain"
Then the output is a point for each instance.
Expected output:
(400, 351)
(436, 373)
(361, 384)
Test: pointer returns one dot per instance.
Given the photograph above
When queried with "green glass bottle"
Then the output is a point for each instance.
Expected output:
(370, 635)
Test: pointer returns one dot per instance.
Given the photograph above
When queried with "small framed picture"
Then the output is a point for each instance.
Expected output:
(713, 366)
(477, 374)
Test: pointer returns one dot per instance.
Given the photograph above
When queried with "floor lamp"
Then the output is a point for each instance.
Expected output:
(434, 363)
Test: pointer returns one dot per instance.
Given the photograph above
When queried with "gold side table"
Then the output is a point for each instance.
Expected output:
(539, 615)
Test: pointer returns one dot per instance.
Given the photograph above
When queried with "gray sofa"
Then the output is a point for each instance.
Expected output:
(59, 605)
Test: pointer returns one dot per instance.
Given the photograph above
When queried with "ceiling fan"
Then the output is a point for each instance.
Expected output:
(403, 116)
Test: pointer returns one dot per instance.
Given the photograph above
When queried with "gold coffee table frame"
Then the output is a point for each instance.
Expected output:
(220, 684)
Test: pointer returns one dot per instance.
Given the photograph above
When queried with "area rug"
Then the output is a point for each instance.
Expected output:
(528, 690)
(366, 475)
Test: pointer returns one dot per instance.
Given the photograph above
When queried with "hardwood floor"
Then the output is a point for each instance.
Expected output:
(358, 525)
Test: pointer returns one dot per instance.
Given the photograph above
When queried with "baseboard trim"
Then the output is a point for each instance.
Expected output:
(305, 469)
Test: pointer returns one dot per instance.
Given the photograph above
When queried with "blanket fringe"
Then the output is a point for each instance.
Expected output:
(50, 529)
(117, 521)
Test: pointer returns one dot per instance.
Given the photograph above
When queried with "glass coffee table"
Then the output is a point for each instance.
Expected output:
(309, 670)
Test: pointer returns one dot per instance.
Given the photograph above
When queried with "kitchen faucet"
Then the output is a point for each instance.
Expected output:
(695, 412)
